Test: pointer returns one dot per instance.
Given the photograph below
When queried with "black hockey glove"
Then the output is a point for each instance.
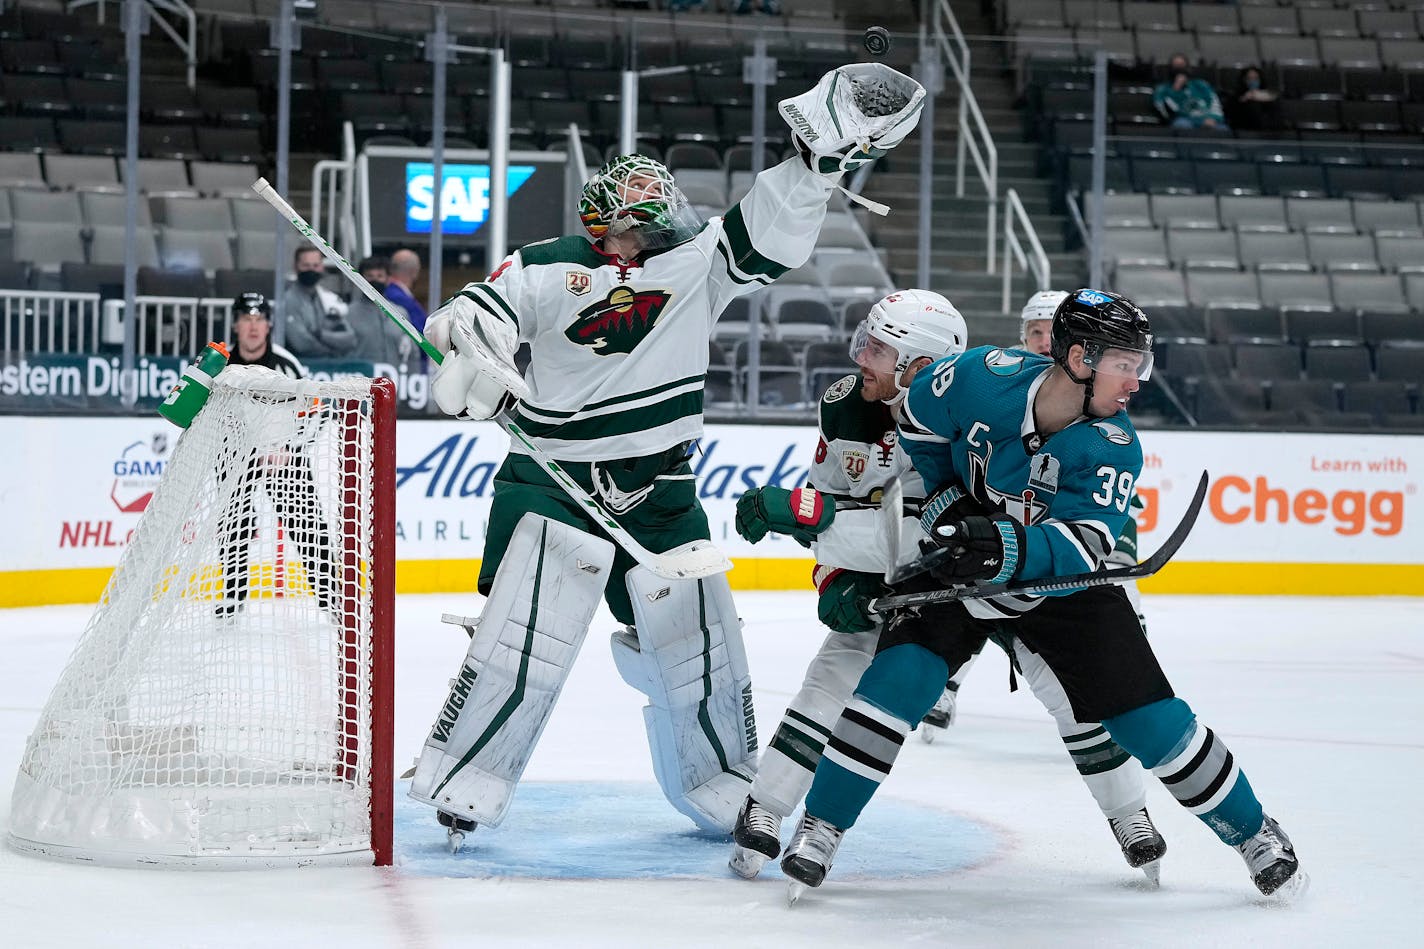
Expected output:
(980, 548)
(947, 505)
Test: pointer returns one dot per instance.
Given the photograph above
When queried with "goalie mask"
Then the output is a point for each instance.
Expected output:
(903, 327)
(636, 193)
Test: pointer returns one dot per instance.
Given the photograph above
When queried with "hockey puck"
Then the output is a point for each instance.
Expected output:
(877, 41)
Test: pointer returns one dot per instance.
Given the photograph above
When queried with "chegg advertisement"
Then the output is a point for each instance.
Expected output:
(1283, 513)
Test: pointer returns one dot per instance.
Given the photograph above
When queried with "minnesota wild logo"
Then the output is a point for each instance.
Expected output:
(618, 322)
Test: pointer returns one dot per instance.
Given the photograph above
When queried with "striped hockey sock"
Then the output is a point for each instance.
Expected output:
(1193, 763)
(860, 754)
(1205, 779)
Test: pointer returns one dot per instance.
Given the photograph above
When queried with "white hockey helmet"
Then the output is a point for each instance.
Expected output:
(1041, 306)
(909, 324)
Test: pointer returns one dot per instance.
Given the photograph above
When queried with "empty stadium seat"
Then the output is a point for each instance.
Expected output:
(1263, 361)
(1338, 363)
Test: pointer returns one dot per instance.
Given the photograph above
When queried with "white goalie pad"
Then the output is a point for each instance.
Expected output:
(688, 658)
(542, 601)
(855, 114)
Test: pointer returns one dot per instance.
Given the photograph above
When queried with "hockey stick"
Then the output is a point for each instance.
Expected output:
(674, 565)
(1097, 578)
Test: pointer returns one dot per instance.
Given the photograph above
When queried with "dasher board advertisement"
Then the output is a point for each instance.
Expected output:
(1285, 513)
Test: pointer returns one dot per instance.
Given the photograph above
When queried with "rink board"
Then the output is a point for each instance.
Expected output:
(1286, 514)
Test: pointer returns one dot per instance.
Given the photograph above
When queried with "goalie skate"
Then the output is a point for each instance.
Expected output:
(456, 829)
(1270, 858)
(1142, 846)
(758, 839)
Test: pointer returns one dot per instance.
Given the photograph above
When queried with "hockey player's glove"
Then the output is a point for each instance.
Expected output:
(947, 505)
(478, 378)
(855, 114)
(802, 512)
(980, 548)
(843, 595)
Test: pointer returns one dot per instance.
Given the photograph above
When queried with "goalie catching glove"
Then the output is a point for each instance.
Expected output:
(855, 114)
(478, 378)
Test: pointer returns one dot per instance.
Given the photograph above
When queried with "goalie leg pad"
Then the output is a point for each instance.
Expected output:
(544, 596)
(687, 657)
(1116, 783)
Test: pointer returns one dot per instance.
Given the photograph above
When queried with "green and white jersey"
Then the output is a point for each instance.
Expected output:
(618, 349)
(856, 457)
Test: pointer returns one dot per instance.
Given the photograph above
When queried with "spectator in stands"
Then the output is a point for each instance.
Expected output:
(378, 338)
(1185, 101)
(404, 271)
(316, 317)
(769, 7)
(1254, 106)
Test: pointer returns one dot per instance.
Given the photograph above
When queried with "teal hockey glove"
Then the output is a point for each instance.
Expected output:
(802, 512)
(843, 596)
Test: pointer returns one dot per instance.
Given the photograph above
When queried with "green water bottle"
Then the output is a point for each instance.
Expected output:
(192, 390)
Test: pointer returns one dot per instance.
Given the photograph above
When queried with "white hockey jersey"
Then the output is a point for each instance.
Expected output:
(619, 350)
(857, 455)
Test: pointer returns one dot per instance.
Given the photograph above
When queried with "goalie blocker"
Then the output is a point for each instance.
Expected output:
(687, 657)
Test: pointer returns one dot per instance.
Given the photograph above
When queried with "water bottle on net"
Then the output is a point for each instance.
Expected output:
(192, 390)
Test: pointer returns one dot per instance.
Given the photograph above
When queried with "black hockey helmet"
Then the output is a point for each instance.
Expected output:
(250, 302)
(1098, 321)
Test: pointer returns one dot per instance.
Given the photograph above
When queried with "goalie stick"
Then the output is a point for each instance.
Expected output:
(1097, 578)
(674, 565)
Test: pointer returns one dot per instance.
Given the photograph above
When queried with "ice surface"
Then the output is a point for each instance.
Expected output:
(985, 838)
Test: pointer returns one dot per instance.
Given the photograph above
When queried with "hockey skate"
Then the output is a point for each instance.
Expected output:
(941, 716)
(1270, 858)
(457, 828)
(808, 858)
(758, 839)
(1141, 845)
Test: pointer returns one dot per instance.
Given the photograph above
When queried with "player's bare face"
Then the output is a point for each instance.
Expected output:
(1038, 336)
(877, 370)
(1116, 381)
(252, 330)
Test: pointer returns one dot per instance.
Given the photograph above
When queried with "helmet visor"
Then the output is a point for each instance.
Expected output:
(1116, 361)
(872, 353)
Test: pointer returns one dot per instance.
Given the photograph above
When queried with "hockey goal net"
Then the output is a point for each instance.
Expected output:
(229, 703)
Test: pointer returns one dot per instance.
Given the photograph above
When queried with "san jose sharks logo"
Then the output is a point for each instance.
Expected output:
(618, 322)
(1030, 507)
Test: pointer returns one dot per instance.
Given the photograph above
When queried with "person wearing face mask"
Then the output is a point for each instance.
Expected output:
(1254, 106)
(378, 338)
(316, 317)
(1185, 101)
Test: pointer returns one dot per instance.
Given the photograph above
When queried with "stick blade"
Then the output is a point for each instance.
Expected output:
(691, 564)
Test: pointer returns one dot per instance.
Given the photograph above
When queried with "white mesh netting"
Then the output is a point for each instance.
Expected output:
(217, 708)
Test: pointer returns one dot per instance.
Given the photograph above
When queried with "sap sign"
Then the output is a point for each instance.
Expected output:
(398, 194)
(464, 195)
